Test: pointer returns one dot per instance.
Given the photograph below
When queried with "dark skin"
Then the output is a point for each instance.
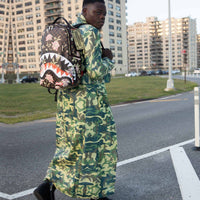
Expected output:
(95, 14)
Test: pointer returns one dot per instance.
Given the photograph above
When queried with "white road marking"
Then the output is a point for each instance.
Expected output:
(125, 162)
(17, 195)
(187, 178)
(146, 101)
(5, 196)
(121, 163)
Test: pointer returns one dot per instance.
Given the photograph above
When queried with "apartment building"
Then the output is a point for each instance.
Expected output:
(198, 51)
(25, 20)
(148, 44)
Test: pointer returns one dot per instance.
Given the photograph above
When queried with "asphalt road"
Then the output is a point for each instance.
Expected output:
(145, 129)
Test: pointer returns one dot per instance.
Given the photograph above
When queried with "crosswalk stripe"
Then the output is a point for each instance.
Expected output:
(121, 163)
(187, 178)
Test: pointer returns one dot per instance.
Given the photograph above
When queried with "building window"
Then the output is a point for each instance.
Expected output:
(119, 35)
(111, 27)
(111, 19)
(110, 13)
(118, 15)
(29, 22)
(111, 33)
(118, 8)
(112, 48)
(32, 66)
(119, 48)
(112, 41)
(20, 18)
(29, 17)
(31, 35)
(21, 36)
(30, 41)
(28, 3)
(22, 48)
(110, 5)
(119, 55)
(19, 12)
(119, 28)
(19, 6)
(30, 29)
(118, 21)
(119, 41)
(2, 6)
(31, 54)
(28, 10)
(21, 42)
(20, 30)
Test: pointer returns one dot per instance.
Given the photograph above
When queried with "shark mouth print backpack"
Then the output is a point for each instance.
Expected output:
(61, 56)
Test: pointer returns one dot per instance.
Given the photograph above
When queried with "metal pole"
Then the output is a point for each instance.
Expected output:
(196, 115)
(17, 80)
(2, 75)
(3, 67)
(170, 82)
(17, 65)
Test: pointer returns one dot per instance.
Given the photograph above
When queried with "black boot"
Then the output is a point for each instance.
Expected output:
(45, 191)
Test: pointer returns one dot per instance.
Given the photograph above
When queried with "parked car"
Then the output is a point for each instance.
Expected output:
(159, 72)
(165, 72)
(143, 73)
(28, 79)
(176, 71)
(131, 74)
(151, 72)
(197, 71)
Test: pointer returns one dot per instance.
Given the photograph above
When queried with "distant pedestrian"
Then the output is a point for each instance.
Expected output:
(84, 164)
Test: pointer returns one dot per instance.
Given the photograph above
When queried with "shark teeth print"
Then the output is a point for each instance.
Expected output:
(56, 70)
(51, 55)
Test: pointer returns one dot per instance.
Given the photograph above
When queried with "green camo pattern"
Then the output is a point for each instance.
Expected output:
(84, 164)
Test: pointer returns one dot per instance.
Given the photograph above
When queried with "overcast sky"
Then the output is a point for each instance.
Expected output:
(138, 10)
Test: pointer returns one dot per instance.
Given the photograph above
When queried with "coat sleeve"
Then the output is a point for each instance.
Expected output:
(96, 66)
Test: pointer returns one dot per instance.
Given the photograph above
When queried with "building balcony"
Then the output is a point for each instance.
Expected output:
(51, 1)
(51, 19)
(53, 13)
(52, 6)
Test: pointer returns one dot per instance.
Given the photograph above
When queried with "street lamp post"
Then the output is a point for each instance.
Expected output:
(17, 67)
(170, 82)
(3, 66)
(2, 75)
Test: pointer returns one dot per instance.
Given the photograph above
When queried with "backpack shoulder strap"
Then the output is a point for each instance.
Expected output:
(58, 18)
(78, 25)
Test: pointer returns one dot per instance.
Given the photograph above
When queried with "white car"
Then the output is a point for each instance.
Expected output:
(176, 71)
(197, 71)
(131, 74)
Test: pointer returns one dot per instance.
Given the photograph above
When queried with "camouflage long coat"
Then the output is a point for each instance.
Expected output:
(84, 164)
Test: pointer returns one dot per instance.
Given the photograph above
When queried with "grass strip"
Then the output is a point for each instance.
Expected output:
(27, 102)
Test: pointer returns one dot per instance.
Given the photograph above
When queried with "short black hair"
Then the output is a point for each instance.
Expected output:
(85, 2)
